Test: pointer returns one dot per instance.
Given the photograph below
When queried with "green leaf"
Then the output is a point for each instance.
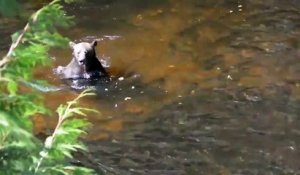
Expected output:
(12, 87)
(61, 110)
(15, 36)
(78, 111)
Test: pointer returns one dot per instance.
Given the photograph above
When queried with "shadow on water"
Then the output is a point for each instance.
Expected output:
(200, 87)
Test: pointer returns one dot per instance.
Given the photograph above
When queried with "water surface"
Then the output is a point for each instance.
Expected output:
(200, 87)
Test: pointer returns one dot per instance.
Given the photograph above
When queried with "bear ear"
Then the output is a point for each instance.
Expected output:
(71, 44)
(94, 43)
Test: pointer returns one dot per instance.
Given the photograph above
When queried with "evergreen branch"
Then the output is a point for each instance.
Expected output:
(64, 112)
(8, 57)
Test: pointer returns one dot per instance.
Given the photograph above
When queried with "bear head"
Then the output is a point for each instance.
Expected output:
(82, 51)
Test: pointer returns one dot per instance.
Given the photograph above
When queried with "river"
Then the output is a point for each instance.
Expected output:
(200, 87)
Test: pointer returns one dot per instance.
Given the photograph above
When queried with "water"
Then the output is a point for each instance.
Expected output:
(200, 87)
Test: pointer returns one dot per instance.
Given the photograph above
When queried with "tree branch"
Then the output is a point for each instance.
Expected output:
(8, 57)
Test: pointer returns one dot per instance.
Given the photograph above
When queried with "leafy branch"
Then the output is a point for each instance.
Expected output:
(7, 58)
(20, 151)
(63, 129)
(30, 46)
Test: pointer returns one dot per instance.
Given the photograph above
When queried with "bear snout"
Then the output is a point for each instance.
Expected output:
(81, 62)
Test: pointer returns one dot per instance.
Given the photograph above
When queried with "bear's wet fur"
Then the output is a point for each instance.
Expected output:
(84, 63)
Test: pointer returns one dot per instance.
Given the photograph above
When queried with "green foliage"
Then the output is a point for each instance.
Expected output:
(20, 151)
(43, 27)
(64, 139)
(16, 146)
(25, 59)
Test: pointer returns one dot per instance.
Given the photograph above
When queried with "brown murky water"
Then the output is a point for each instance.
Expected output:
(210, 87)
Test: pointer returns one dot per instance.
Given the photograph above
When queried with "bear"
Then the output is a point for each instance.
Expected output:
(84, 63)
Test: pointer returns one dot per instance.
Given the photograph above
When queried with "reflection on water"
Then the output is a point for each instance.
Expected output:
(199, 87)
